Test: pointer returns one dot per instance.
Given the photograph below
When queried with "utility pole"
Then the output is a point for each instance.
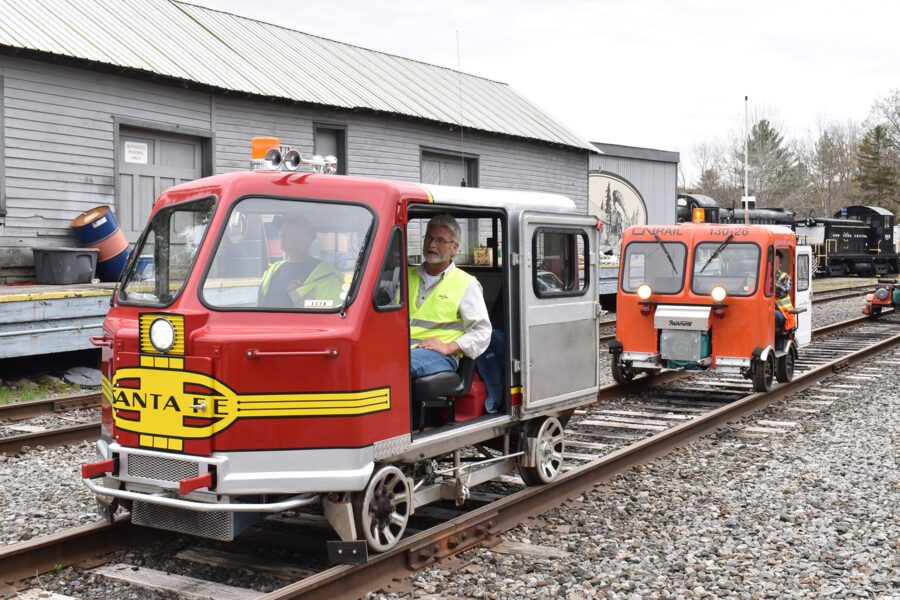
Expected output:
(747, 201)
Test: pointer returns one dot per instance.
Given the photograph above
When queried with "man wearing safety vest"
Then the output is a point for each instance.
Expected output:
(300, 281)
(447, 314)
(785, 320)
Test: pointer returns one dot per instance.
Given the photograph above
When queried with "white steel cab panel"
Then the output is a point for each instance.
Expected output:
(560, 308)
(803, 295)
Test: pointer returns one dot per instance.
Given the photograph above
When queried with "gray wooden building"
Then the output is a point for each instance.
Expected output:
(111, 102)
(628, 186)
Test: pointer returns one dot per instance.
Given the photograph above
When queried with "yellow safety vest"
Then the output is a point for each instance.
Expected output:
(323, 283)
(785, 305)
(438, 317)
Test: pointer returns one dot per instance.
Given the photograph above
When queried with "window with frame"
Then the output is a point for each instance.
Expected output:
(560, 262)
(657, 264)
(734, 266)
(389, 291)
(802, 273)
(480, 244)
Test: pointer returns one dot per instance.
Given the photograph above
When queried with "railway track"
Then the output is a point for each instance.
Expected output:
(628, 426)
(16, 435)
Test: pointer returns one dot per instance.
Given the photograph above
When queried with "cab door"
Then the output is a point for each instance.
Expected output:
(803, 295)
(560, 309)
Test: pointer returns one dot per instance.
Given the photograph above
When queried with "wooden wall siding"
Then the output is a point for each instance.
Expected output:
(60, 158)
(59, 132)
(46, 326)
(380, 146)
(656, 181)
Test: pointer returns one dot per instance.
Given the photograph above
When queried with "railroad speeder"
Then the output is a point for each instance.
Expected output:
(700, 296)
(217, 410)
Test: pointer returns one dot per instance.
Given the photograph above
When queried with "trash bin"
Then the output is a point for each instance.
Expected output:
(64, 266)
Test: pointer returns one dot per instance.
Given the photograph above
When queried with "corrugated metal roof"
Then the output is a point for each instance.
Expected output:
(224, 51)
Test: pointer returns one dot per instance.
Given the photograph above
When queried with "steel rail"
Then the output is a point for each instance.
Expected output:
(483, 525)
(64, 548)
(35, 408)
(51, 438)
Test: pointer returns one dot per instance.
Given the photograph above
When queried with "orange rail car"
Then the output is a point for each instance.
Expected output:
(699, 296)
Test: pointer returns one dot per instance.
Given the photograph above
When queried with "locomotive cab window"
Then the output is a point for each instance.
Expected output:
(561, 263)
(166, 253)
(389, 291)
(732, 265)
(802, 273)
(289, 255)
(657, 264)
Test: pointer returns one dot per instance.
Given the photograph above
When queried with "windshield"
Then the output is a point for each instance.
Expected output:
(288, 255)
(735, 268)
(165, 255)
(658, 264)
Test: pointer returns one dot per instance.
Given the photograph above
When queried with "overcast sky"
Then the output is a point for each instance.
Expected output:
(657, 74)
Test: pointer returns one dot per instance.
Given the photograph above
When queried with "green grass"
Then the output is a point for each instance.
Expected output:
(9, 395)
(827, 284)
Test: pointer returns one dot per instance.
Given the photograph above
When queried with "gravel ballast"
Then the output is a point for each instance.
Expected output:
(811, 513)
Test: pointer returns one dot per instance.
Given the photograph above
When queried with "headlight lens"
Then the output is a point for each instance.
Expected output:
(162, 335)
(644, 292)
(718, 293)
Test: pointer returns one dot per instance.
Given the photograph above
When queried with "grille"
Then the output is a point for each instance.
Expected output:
(677, 344)
(161, 469)
(213, 525)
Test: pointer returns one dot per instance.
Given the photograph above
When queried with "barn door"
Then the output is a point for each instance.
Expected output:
(149, 162)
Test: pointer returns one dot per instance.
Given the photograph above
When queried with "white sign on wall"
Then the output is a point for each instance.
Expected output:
(136, 152)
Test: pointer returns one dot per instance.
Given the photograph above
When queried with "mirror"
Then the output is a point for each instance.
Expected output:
(237, 227)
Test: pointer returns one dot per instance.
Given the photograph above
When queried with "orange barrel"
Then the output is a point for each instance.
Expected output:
(98, 228)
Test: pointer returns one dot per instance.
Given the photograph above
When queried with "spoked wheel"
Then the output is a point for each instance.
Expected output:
(547, 452)
(382, 510)
(784, 366)
(763, 372)
(620, 373)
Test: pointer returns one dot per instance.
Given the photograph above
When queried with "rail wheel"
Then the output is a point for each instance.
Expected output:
(874, 311)
(382, 510)
(763, 372)
(547, 447)
(620, 373)
(784, 366)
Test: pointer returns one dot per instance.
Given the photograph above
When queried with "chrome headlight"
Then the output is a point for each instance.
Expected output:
(162, 335)
(644, 292)
(718, 293)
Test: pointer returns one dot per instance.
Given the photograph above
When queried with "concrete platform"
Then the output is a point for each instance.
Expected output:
(43, 319)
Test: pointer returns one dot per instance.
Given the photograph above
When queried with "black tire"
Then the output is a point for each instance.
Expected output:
(763, 373)
(874, 311)
(621, 374)
(784, 366)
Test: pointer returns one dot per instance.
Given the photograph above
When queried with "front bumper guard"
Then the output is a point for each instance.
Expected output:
(289, 504)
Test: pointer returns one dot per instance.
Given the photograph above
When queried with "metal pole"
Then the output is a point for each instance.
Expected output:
(746, 150)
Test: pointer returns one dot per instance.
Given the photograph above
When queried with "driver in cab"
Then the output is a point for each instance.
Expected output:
(300, 280)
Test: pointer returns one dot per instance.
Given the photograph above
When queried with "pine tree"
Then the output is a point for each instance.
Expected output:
(878, 177)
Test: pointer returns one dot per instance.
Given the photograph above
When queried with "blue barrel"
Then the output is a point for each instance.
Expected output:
(98, 228)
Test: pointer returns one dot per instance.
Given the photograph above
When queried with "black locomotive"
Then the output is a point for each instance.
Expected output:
(858, 240)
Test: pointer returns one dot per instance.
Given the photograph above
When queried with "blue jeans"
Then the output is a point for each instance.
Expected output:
(490, 367)
(423, 361)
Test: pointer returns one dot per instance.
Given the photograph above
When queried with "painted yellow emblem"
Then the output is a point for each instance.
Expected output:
(174, 404)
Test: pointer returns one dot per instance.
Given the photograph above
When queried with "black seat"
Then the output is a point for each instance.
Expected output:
(439, 390)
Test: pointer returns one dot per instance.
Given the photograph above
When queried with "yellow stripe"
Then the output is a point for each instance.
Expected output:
(53, 295)
(515, 390)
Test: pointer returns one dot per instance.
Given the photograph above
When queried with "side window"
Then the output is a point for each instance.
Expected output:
(480, 244)
(769, 288)
(389, 292)
(802, 273)
(560, 262)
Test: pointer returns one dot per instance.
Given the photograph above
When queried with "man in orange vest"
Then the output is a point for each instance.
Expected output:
(447, 314)
(785, 319)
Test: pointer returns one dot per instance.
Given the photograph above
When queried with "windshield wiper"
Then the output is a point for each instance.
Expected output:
(669, 256)
(716, 253)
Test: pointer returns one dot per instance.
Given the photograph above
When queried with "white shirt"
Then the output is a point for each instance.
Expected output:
(472, 309)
